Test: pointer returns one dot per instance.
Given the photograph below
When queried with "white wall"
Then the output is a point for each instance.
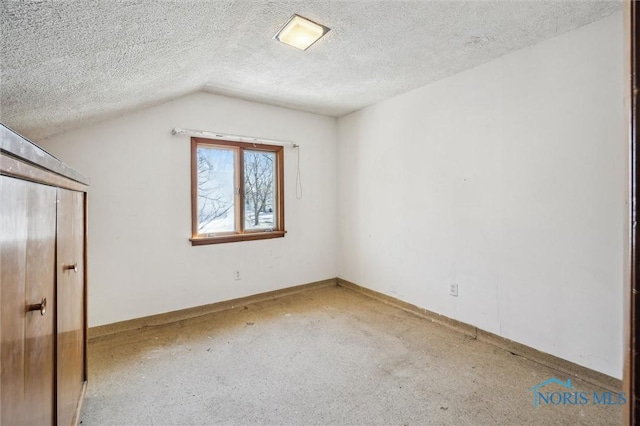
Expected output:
(507, 179)
(140, 259)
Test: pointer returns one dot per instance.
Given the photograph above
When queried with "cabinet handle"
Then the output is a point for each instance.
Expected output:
(42, 306)
(73, 267)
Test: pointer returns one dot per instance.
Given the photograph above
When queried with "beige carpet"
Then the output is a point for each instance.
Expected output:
(327, 356)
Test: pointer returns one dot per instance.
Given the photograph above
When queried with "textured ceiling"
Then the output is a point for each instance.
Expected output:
(69, 63)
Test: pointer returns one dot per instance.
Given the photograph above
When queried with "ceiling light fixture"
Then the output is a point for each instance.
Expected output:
(300, 32)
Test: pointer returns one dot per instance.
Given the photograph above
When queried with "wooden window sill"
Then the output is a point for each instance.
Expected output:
(251, 236)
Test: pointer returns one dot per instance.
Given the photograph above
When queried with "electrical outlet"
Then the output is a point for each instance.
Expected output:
(237, 275)
(453, 289)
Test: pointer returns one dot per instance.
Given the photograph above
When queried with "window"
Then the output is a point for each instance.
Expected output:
(236, 191)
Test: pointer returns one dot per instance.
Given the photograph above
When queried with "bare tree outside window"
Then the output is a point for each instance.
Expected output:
(237, 191)
(214, 200)
(259, 173)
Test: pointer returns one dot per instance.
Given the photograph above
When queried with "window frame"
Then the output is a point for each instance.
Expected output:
(241, 234)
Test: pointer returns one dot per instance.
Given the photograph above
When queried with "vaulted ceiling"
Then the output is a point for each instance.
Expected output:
(66, 64)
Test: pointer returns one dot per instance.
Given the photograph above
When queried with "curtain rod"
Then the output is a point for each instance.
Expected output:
(228, 137)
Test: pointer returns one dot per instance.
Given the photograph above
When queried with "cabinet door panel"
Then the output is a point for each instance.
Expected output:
(71, 298)
(27, 261)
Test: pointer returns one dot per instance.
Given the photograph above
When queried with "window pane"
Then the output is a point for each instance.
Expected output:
(259, 193)
(216, 195)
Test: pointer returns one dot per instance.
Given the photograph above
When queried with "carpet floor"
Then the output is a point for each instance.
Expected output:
(328, 356)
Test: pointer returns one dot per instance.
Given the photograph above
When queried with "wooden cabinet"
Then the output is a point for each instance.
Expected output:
(43, 288)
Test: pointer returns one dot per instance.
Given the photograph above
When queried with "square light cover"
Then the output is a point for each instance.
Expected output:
(300, 32)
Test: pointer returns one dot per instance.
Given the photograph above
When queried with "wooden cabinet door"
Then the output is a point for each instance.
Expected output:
(27, 261)
(71, 372)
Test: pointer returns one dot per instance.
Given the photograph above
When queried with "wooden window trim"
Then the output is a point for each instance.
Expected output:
(243, 235)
